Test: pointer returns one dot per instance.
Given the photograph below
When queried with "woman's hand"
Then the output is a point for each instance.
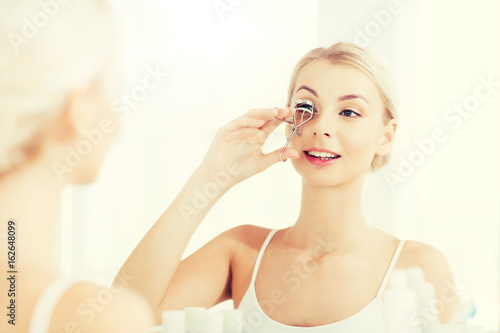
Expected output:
(236, 152)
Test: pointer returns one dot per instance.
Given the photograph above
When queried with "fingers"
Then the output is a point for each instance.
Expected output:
(244, 121)
(267, 114)
(285, 113)
(258, 118)
(274, 157)
(251, 134)
(270, 126)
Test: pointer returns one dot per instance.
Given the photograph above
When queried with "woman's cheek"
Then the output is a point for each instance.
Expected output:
(357, 142)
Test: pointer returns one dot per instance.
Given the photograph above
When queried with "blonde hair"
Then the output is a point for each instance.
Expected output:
(369, 63)
(48, 49)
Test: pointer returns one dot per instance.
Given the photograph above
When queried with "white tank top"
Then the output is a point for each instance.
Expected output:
(371, 318)
(46, 304)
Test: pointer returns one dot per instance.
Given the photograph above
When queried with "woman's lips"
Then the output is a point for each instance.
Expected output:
(317, 161)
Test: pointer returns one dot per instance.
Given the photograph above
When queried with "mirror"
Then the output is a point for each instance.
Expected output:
(211, 61)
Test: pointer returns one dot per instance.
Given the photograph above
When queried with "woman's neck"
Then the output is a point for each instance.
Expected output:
(330, 215)
(31, 196)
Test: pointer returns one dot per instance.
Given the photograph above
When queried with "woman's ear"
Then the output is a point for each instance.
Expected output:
(81, 135)
(68, 125)
(387, 139)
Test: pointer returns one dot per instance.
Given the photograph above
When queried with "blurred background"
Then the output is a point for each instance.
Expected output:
(219, 58)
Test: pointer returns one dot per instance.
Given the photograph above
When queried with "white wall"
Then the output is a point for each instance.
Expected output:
(220, 67)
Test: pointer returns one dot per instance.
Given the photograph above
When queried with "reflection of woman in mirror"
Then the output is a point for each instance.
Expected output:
(56, 126)
(330, 268)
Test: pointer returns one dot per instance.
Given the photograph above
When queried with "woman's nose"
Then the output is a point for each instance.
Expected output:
(322, 127)
(319, 133)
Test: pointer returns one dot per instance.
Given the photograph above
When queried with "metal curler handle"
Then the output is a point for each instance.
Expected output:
(306, 106)
(284, 120)
(294, 130)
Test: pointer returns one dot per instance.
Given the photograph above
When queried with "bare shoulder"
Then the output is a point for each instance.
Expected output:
(429, 258)
(436, 270)
(244, 243)
(88, 307)
(230, 243)
(246, 236)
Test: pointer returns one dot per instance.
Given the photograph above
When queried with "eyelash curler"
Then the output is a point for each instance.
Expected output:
(304, 110)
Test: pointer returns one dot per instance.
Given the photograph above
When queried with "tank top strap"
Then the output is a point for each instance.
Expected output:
(391, 267)
(261, 253)
(46, 304)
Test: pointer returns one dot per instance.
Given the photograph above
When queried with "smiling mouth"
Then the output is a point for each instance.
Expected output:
(323, 156)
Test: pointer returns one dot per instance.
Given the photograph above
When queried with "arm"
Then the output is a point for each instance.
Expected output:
(117, 316)
(204, 279)
(235, 154)
(90, 308)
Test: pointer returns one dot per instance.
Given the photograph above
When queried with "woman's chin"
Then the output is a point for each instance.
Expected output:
(321, 178)
(327, 177)
(322, 182)
(85, 177)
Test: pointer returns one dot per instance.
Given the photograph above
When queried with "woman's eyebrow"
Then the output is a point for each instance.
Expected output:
(308, 89)
(340, 99)
(351, 96)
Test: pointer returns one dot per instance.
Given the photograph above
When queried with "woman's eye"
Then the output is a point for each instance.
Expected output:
(349, 113)
(303, 115)
(306, 114)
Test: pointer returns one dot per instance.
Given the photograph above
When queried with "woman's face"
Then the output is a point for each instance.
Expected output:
(348, 121)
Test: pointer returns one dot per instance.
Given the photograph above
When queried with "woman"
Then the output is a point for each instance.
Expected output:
(56, 126)
(328, 271)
